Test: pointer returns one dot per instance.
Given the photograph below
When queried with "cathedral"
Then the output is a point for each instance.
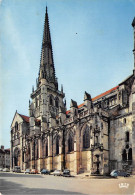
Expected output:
(94, 137)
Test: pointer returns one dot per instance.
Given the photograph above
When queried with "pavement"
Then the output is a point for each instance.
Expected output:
(19, 183)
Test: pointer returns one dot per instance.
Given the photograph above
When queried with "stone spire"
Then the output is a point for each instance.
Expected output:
(47, 69)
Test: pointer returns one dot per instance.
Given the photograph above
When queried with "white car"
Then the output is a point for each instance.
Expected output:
(57, 173)
(1, 169)
(6, 170)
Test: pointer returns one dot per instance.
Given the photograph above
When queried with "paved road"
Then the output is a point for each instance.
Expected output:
(11, 183)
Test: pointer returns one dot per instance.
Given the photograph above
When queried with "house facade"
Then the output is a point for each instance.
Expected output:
(4, 157)
(94, 137)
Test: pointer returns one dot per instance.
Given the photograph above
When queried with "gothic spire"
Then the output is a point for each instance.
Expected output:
(47, 69)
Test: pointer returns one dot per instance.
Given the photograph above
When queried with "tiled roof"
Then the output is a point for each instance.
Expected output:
(2, 151)
(97, 97)
(105, 93)
(25, 118)
(8, 149)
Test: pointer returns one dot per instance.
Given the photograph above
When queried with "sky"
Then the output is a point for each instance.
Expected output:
(92, 44)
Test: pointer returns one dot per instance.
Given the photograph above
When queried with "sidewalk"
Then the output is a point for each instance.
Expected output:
(87, 176)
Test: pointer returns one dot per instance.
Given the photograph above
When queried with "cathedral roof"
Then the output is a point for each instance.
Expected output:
(25, 118)
(105, 93)
(97, 97)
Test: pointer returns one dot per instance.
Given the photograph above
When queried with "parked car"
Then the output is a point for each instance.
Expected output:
(27, 171)
(6, 170)
(57, 172)
(1, 169)
(17, 169)
(66, 173)
(116, 173)
(45, 171)
(34, 171)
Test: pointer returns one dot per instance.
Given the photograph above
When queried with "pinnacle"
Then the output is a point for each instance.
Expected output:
(133, 23)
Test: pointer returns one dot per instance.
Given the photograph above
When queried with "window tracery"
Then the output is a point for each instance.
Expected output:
(86, 138)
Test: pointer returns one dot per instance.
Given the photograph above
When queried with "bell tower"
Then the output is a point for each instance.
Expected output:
(46, 98)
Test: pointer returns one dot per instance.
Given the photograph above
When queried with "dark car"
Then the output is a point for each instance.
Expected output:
(27, 171)
(116, 173)
(45, 171)
(17, 169)
(66, 173)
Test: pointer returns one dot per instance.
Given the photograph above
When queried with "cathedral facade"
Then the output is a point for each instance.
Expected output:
(94, 137)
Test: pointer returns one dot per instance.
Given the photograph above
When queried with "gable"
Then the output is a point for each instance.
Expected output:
(17, 118)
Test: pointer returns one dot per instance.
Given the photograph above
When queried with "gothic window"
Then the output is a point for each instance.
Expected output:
(29, 152)
(124, 155)
(51, 100)
(16, 126)
(101, 125)
(57, 102)
(36, 101)
(18, 135)
(96, 140)
(127, 136)
(33, 151)
(23, 157)
(124, 121)
(57, 145)
(70, 143)
(130, 154)
(37, 149)
(86, 138)
(75, 112)
(46, 149)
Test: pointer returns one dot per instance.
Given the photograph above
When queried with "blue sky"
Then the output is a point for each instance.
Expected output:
(92, 44)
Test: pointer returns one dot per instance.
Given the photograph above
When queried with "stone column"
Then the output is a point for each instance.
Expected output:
(76, 150)
(50, 153)
(40, 153)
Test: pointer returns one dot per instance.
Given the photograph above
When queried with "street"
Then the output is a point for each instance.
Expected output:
(19, 183)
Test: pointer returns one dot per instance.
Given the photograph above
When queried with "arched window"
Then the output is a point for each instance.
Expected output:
(23, 157)
(37, 149)
(18, 135)
(36, 102)
(124, 155)
(57, 145)
(130, 154)
(70, 143)
(86, 138)
(51, 100)
(57, 102)
(33, 151)
(46, 147)
(127, 136)
(16, 126)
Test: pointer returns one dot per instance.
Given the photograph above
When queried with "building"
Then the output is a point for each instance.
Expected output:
(95, 137)
(4, 157)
